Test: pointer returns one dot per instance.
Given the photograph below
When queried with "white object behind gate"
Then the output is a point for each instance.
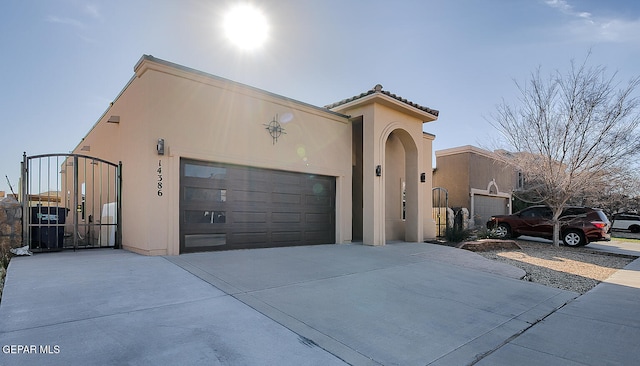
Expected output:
(108, 222)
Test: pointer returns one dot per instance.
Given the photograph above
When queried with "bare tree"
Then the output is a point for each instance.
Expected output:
(620, 192)
(571, 133)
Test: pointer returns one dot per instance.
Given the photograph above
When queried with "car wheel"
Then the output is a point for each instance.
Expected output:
(573, 238)
(634, 229)
(502, 231)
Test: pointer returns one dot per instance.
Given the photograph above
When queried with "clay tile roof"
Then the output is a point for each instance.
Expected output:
(378, 89)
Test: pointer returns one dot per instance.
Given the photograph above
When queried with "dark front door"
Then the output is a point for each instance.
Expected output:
(230, 207)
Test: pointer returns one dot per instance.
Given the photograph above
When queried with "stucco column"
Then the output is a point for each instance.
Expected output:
(413, 224)
(372, 186)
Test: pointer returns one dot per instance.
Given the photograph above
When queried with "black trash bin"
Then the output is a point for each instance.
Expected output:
(47, 227)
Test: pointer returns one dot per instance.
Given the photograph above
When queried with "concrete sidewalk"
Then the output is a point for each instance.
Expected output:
(403, 304)
(601, 327)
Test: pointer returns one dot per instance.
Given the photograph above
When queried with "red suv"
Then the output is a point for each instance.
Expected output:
(578, 225)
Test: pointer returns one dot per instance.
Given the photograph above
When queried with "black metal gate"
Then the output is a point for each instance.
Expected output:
(440, 200)
(70, 201)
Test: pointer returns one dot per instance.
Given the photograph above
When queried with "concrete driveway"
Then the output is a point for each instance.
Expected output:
(401, 304)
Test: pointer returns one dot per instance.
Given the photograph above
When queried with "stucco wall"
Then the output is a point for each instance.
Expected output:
(452, 173)
(206, 118)
(483, 170)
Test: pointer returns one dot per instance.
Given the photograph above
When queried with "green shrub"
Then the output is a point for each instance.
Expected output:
(456, 235)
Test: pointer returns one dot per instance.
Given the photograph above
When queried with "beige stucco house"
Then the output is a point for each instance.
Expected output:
(476, 179)
(210, 164)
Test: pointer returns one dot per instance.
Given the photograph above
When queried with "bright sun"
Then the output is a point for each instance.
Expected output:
(246, 26)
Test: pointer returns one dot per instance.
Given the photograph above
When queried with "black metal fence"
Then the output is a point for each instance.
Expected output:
(70, 201)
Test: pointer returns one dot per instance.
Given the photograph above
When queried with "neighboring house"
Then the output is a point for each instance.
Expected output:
(476, 179)
(49, 198)
(210, 164)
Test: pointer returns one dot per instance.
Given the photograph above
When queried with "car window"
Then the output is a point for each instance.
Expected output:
(602, 215)
(545, 212)
(537, 212)
(573, 211)
(627, 217)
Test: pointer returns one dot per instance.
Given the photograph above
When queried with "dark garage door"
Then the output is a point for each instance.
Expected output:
(230, 207)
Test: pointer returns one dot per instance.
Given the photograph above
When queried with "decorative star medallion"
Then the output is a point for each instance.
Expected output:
(275, 129)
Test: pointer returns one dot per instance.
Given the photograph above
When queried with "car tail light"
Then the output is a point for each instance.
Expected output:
(599, 224)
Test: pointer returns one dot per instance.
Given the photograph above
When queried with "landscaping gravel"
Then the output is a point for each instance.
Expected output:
(573, 269)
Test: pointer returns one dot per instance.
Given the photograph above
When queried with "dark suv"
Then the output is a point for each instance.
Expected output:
(578, 225)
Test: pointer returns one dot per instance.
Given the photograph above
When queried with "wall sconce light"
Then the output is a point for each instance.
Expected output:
(160, 147)
(114, 119)
(378, 170)
(423, 177)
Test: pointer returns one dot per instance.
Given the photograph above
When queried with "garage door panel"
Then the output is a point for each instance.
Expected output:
(316, 237)
(249, 237)
(318, 191)
(318, 218)
(204, 217)
(199, 170)
(287, 189)
(286, 236)
(249, 196)
(240, 174)
(203, 182)
(286, 198)
(241, 185)
(201, 194)
(201, 230)
(316, 181)
(245, 217)
(286, 217)
(209, 240)
(320, 201)
(228, 207)
(285, 178)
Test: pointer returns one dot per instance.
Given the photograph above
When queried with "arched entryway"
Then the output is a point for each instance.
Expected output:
(401, 184)
(391, 160)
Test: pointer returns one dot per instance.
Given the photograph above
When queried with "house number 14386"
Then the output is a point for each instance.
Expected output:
(159, 178)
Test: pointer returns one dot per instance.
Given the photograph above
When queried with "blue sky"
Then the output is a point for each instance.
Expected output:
(63, 61)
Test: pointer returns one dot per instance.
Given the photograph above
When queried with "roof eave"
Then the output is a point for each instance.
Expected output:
(389, 102)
